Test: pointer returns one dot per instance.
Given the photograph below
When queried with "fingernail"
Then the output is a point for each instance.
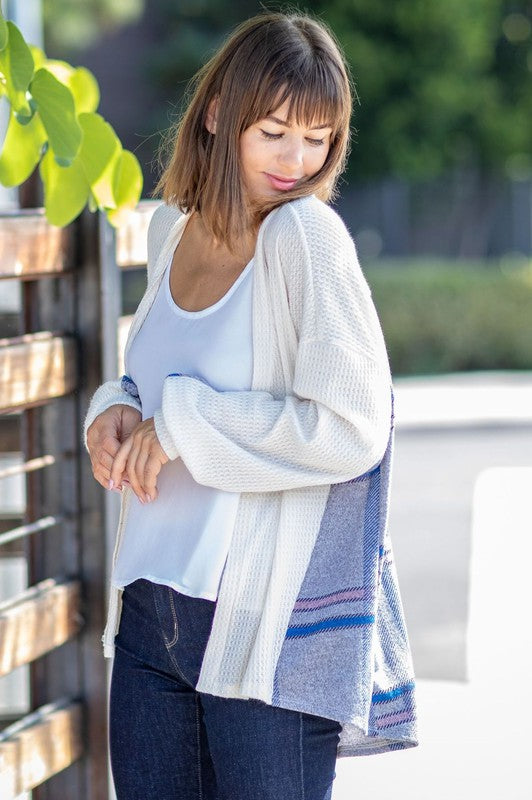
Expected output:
(148, 498)
(111, 484)
(125, 481)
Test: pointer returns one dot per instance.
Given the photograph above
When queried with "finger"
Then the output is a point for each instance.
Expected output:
(105, 460)
(96, 450)
(100, 471)
(131, 467)
(140, 468)
(151, 471)
(120, 461)
(103, 477)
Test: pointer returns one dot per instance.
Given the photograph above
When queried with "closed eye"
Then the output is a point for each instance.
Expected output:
(314, 142)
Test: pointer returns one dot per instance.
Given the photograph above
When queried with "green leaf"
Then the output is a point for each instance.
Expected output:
(4, 35)
(100, 151)
(58, 114)
(65, 190)
(80, 81)
(21, 151)
(90, 177)
(16, 65)
(39, 56)
(127, 187)
(84, 87)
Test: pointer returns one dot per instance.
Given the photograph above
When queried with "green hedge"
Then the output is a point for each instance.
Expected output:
(441, 316)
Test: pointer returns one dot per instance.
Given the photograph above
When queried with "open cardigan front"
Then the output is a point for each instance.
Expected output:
(309, 615)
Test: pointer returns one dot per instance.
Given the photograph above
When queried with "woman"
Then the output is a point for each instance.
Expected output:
(254, 615)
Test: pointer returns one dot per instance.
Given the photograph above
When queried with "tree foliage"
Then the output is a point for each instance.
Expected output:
(440, 84)
(74, 24)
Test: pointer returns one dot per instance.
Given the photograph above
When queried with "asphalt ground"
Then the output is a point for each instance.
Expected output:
(448, 430)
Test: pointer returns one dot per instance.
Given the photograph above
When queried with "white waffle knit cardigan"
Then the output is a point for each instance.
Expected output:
(318, 415)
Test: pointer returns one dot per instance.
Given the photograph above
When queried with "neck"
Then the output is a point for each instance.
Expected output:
(216, 247)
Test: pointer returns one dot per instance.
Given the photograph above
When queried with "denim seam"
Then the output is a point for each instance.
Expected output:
(172, 607)
(301, 755)
(170, 654)
(179, 673)
(198, 749)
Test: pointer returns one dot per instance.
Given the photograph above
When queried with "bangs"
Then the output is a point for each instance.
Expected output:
(316, 95)
(269, 61)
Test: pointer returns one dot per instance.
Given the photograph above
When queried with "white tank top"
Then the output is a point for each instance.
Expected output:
(181, 539)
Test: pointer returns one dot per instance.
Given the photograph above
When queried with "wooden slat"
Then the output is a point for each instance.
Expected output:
(131, 237)
(29, 528)
(30, 246)
(39, 746)
(35, 368)
(29, 466)
(38, 620)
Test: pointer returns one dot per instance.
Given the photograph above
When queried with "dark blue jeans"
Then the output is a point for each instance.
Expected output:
(170, 742)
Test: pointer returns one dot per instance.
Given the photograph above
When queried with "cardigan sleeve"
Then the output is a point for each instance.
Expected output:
(335, 424)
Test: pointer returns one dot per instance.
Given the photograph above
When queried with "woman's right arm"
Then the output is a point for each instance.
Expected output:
(115, 409)
(113, 413)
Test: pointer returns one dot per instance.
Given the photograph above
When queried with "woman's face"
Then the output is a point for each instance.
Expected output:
(275, 156)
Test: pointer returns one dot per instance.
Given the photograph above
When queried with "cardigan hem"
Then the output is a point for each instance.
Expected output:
(381, 746)
(368, 741)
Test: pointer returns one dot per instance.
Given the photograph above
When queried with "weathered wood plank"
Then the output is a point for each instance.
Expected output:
(35, 368)
(30, 246)
(38, 620)
(23, 531)
(131, 238)
(29, 466)
(39, 746)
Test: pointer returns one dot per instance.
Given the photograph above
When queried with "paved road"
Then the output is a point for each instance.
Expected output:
(449, 429)
(434, 476)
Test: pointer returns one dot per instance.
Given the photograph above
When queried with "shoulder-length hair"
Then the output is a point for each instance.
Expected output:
(268, 59)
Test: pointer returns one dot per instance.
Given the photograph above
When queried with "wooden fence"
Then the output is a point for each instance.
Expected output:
(53, 354)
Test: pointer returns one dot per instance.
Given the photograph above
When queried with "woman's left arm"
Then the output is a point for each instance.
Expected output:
(336, 424)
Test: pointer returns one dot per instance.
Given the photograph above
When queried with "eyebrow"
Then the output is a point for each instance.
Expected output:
(286, 125)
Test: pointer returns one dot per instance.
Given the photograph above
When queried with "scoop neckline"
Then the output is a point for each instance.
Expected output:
(203, 312)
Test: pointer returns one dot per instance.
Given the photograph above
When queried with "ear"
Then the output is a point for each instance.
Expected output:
(212, 115)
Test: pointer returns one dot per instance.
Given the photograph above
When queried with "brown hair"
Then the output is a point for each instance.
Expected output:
(267, 59)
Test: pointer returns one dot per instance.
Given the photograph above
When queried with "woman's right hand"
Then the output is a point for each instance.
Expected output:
(104, 437)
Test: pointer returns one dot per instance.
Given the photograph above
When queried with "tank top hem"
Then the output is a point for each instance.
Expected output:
(170, 584)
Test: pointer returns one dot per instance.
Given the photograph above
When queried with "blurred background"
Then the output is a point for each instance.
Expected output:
(438, 198)
(438, 191)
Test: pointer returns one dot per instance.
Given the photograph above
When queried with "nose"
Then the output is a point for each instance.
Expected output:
(291, 155)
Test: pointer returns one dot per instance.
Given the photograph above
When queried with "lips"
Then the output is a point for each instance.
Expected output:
(280, 182)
